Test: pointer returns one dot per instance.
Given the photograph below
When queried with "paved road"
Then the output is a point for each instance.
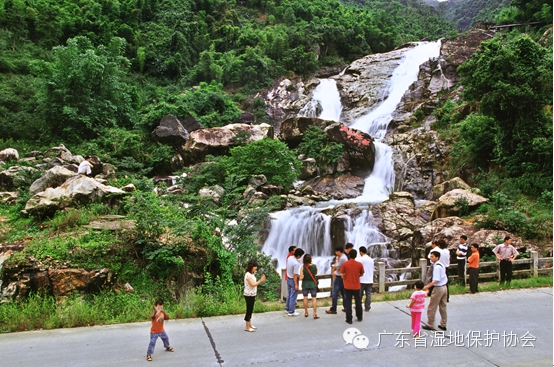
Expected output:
(508, 328)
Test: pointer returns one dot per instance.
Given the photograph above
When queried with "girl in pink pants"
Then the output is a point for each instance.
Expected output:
(416, 306)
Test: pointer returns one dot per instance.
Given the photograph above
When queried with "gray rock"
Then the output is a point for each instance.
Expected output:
(218, 140)
(170, 131)
(449, 204)
(308, 169)
(9, 197)
(9, 154)
(76, 191)
(54, 177)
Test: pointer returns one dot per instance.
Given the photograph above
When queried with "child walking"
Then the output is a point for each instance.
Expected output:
(416, 306)
(157, 329)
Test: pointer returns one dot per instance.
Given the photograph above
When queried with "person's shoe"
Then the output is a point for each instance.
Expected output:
(294, 314)
(348, 322)
(443, 328)
(149, 358)
(427, 327)
(169, 349)
(331, 312)
(343, 310)
(360, 320)
(367, 309)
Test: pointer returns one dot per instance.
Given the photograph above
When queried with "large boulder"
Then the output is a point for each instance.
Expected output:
(397, 217)
(16, 176)
(9, 154)
(444, 187)
(54, 177)
(170, 131)
(67, 281)
(218, 140)
(455, 202)
(343, 187)
(450, 229)
(77, 190)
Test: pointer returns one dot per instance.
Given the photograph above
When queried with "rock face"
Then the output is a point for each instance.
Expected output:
(77, 190)
(415, 155)
(218, 140)
(364, 82)
(454, 202)
(59, 282)
(170, 131)
(53, 178)
(343, 187)
(397, 217)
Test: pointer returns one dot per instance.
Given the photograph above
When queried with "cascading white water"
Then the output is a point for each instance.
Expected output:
(375, 122)
(308, 227)
(326, 96)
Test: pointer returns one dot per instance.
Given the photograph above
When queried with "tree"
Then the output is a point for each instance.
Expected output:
(511, 79)
(268, 157)
(83, 92)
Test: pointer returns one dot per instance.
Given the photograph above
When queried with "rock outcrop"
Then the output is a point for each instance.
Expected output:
(77, 190)
(218, 140)
(456, 201)
(52, 178)
(170, 131)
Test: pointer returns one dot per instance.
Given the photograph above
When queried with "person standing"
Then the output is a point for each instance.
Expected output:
(309, 284)
(85, 167)
(506, 253)
(367, 279)
(416, 306)
(461, 254)
(293, 274)
(291, 253)
(439, 295)
(337, 283)
(157, 330)
(351, 271)
(473, 268)
(250, 291)
(445, 260)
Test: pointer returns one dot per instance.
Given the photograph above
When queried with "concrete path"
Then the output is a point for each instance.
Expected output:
(508, 328)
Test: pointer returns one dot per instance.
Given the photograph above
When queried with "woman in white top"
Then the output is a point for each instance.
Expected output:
(250, 291)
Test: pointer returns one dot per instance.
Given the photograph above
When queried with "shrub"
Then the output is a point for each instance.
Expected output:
(268, 157)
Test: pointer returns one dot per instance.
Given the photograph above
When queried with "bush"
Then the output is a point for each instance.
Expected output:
(268, 157)
(315, 144)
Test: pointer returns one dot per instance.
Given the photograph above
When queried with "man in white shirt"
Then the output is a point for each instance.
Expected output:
(85, 168)
(439, 295)
(293, 276)
(366, 280)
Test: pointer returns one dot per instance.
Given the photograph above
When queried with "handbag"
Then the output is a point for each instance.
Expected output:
(313, 278)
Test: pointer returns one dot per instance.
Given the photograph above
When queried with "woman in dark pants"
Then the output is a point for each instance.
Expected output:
(250, 291)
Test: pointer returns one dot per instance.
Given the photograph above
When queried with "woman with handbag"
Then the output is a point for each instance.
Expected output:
(309, 284)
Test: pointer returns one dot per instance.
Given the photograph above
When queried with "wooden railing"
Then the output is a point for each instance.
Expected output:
(537, 266)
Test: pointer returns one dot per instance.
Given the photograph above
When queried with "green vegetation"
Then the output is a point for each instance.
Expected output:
(315, 144)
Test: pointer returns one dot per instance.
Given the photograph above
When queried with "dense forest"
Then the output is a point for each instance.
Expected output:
(99, 75)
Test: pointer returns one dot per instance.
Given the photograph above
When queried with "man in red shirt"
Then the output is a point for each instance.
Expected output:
(351, 271)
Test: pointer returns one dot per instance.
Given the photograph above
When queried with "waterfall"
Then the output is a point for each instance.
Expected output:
(308, 227)
(375, 122)
(325, 103)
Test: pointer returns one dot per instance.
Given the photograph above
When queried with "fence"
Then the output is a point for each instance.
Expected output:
(537, 266)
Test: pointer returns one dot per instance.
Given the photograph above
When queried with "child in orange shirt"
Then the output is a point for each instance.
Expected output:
(157, 329)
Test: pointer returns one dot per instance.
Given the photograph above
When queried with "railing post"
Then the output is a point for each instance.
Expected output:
(381, 266)
(284, 289)
(423, 264)
(535, 263)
